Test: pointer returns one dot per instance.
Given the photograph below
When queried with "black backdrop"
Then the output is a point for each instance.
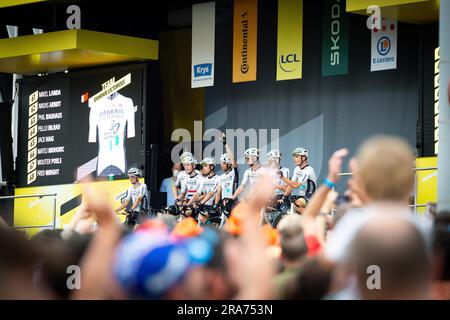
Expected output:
(321, 113)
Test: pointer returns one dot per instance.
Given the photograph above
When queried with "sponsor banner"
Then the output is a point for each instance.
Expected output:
(203, 30)
(245, 34)
(335, 38)
(290, 39)
(384, 46)
(38, 212)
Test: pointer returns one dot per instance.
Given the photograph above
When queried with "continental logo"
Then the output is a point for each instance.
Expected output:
(244, 51)
(32, 136)
(289, 62)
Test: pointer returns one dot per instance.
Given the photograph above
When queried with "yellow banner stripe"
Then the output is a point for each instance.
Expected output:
(290, 39)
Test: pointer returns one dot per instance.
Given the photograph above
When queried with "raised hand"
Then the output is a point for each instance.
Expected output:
(335, 164)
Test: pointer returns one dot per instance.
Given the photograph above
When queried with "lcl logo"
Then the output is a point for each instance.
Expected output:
(286, 60)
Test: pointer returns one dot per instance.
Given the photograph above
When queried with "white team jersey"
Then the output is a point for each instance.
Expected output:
(192, 185)
(287, 174)
(308, 179)
(181, 178)
(109, 117)
(252, 176)
(229, 183)
(211, 184)
(141, 191)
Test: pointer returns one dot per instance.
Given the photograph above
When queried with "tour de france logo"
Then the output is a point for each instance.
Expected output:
(384, 46)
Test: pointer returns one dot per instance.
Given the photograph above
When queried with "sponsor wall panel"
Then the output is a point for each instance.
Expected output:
(203, 33)
(290, 39)
(319, 113)
(245, 34)
(384, 46)
(335, 38)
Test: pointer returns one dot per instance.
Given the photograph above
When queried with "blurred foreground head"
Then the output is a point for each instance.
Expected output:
(384, 170)
(390, 260)
(17, 261)
(441, 256)
(154, 265)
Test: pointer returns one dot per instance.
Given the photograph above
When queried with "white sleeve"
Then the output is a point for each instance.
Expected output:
(295, 174)
(303, 177)
(245, 179)
(143, 191)
(93, 120)
(130, 121)
(128, 198)
(201, 185)
(216, 185)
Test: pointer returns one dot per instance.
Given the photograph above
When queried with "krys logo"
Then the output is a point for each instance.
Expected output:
(288, 62)
(202, 70)
(384, 46)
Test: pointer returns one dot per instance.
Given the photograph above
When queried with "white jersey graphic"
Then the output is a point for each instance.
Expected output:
(109, 117)
(229, 183)
(192, 185)
(141, 191)
(211, 184)
(308, 179)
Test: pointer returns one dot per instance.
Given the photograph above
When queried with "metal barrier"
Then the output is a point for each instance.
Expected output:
(415, 205)
(53, 225)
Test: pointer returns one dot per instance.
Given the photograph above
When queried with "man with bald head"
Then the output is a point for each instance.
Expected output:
(383, 175)
(394, 247)
(382, 179)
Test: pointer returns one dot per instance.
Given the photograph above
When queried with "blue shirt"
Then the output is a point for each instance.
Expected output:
(166, 186)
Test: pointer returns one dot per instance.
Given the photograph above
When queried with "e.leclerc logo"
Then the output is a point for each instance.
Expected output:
(288, 60)
(384, 46)
(202, 70)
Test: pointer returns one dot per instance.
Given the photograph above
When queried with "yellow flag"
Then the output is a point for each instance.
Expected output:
(245, 33)
(290, 39)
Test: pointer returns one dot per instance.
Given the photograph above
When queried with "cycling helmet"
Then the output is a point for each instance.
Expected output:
(190, 159)
(225, 158)
(207, 161)
(184, 155)
(134, 172)
(300, 152)
(274, 155)
(251, 152)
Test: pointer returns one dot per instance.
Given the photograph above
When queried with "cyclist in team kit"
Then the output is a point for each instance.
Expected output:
(137, 195)
(207, 194)
(304, 177)
(182, 175)
(192, 184)
(274, 158)
(252, 174)
(229, 179)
